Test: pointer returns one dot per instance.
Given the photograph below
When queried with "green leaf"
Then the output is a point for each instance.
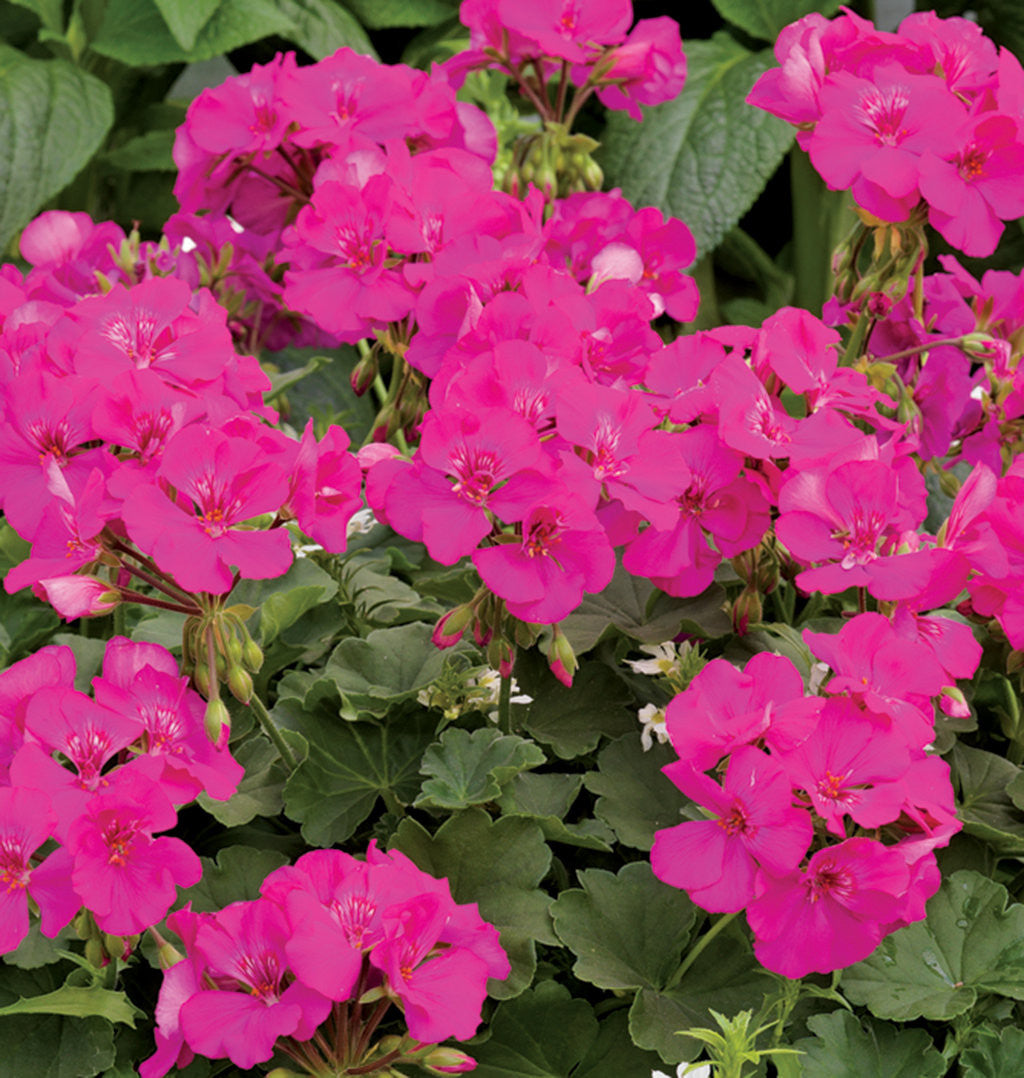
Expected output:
(572, 721)
(387, 14)
(261, 791)
(135, 33)
(49, 1046)
(350, 765)
(547, 799)
(185, 18)
(725, 977)
(614, 1055)
(545, 1033)
(321, 27)
(150, 152)
(235, 875)
(638, 609)
(983, 781)
(970, 943)
(626, 931)
(37, 950)
(765, 18)
(382, 598)
(705, 156)
(388, 666)
(53, 118)
(635, 799)
(843, 1048)
(498, 864)
(285, 599)
(470, 768)
(994, 1054)
(50, 12)
(76, 1002)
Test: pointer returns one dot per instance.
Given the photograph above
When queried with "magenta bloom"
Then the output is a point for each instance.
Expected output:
(972, 190)
(222, 482)
(832, 914)
(123, 874)
(26, 822)
(441, 994)
(242, 951)
(561, 553)
(847, 766)
(646, 69)
(756, 825)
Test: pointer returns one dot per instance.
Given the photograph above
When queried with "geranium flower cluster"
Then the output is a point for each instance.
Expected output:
(926, 118)
(132, 443)
(958, 361)
(131, 753)
(330, 946)
(591, 44)
(822, 812)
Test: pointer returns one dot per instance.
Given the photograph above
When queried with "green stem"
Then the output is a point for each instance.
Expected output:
(856, 341)
(271, 730)
(811, 213)
(701, 945)
(920, 348)
(505, 704)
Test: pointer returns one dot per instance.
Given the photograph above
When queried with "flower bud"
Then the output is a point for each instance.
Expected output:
(953, 703)
(201, 678)
(217, 723)
(561, 658)
(252, 655)
(450, 627)
(239, 682)
(447, 1061)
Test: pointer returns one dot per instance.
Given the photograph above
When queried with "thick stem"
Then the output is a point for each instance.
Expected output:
(271, 730)
(701, 945)
(505, 704)
(146, 600)
(811, 213)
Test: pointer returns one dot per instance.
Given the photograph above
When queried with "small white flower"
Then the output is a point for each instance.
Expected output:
(687, 1070)
(819, 671)
(653, 721)
(362, 522)
(305, 551)
(665, 660)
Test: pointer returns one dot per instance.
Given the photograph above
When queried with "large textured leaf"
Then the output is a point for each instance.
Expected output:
(971, 943)
(635, 799)
(635, 607)
(626, 931)
(725, 977)
(135, 32)
(284, 599)
(321, 27)
(572, 721)
(547, 799)
(843, 1048)
(49, 1046)
(994, 1055)
(53, 118)
(705, 156)
(350, 765)
(385, 14)
(765, 18)
(235, 875)
(50, 12)
(185, 18)
(388, 666)
(469, 768)
(498, 864)
(985, 784)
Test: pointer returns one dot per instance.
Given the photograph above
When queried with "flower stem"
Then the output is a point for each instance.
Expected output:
(505, 704)
(271, 730)
(701, 945)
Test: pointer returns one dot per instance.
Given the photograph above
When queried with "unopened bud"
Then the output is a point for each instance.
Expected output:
(252, 655)
(562, 658)
(448, 1061)
(450, 627)
(201, 678)
(746, 609)
(953, 703)
(239, 682)
(217, 723)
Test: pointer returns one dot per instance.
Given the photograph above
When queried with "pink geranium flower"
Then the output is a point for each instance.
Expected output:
(755, 825)
(833, 913)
